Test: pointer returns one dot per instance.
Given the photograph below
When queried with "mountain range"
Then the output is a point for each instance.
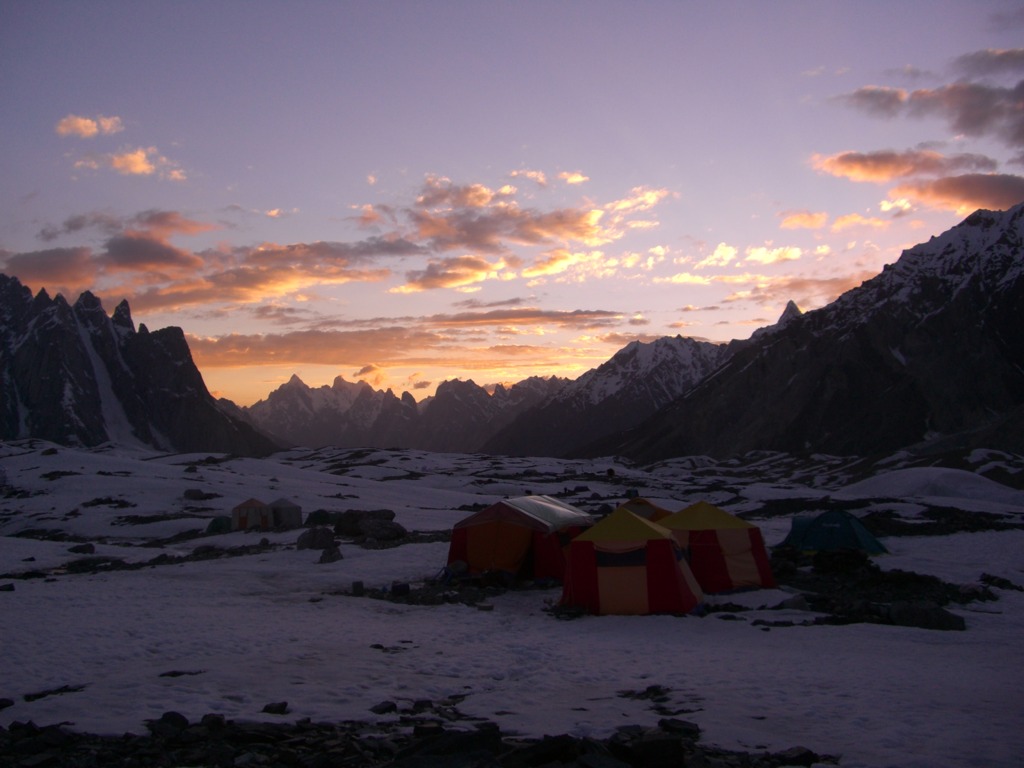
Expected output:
(927, 354)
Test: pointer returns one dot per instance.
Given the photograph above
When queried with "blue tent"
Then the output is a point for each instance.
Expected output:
(831, 530)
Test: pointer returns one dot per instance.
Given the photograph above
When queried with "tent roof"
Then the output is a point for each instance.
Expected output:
(538, 512)
(832, 529)
(252, 503)
(645, 508)
(623, 525)
(284, 503)
(703, 516)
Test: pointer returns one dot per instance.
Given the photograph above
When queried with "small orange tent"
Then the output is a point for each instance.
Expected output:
(725, 552)
(628, 565)
(252, 513)
(523, 537)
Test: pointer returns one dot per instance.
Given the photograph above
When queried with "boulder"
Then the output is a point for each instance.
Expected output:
(924, 614)
(382, 530)
(350, 522)
(330, 555)
(318, 537)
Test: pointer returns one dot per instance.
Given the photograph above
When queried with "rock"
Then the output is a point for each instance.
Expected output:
(83, 549)
(276, 708)
(213, 722)
(797, 756)
(5, 703)
(384, 708)
(925, 615)
(330, 555)
(7, 587)
(349, 523)
(170, 724)
(382, 530)
(318, 537)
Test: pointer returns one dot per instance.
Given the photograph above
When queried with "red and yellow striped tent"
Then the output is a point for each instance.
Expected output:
(725, 553)
(628, 565)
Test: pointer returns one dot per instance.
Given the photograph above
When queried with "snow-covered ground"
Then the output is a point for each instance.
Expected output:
(278, 626)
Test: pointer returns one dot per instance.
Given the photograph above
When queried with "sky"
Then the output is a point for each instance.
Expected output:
(403, 193)
(278, 626)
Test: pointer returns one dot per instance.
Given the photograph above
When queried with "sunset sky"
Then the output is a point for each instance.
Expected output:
(407, 192)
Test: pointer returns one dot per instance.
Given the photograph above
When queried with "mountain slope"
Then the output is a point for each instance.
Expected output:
(931, 349)
(619, 394)
(73, 375)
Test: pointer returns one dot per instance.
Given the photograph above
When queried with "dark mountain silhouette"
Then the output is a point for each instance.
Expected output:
(930, 353)
(73, 375)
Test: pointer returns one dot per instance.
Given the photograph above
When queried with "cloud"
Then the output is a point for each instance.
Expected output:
(474, 217)
(460, 272)
(139, 253)
(720, 257)
(619, 340)
(803, 219)
(54, 267)
(684, 278)
(386, 346)
(852, 220)
(164, 224)
(573, 177)
(967, 192)
(887, 165)
(992, 61)
(88, 127)
(477, 304)
(578, 318)
(140, 161)
(766, 255)
(539, 177)
(155, 222)
(806, 291)
(880, 101)
(970, 108)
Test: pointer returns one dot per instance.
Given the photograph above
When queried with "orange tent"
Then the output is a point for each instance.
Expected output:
(725, 552)
(628, 565)
(524, 537)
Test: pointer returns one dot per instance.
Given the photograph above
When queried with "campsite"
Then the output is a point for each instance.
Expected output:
(120, 607)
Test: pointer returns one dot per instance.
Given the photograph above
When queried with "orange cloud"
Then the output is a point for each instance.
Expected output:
(573, 177)
(803, 219)
(57, 269)
(134, 162)
(539, 177)
(459, 273)
(888, 165)
(87, 127)
(851, 220)
(141, 161)
(966, 193)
